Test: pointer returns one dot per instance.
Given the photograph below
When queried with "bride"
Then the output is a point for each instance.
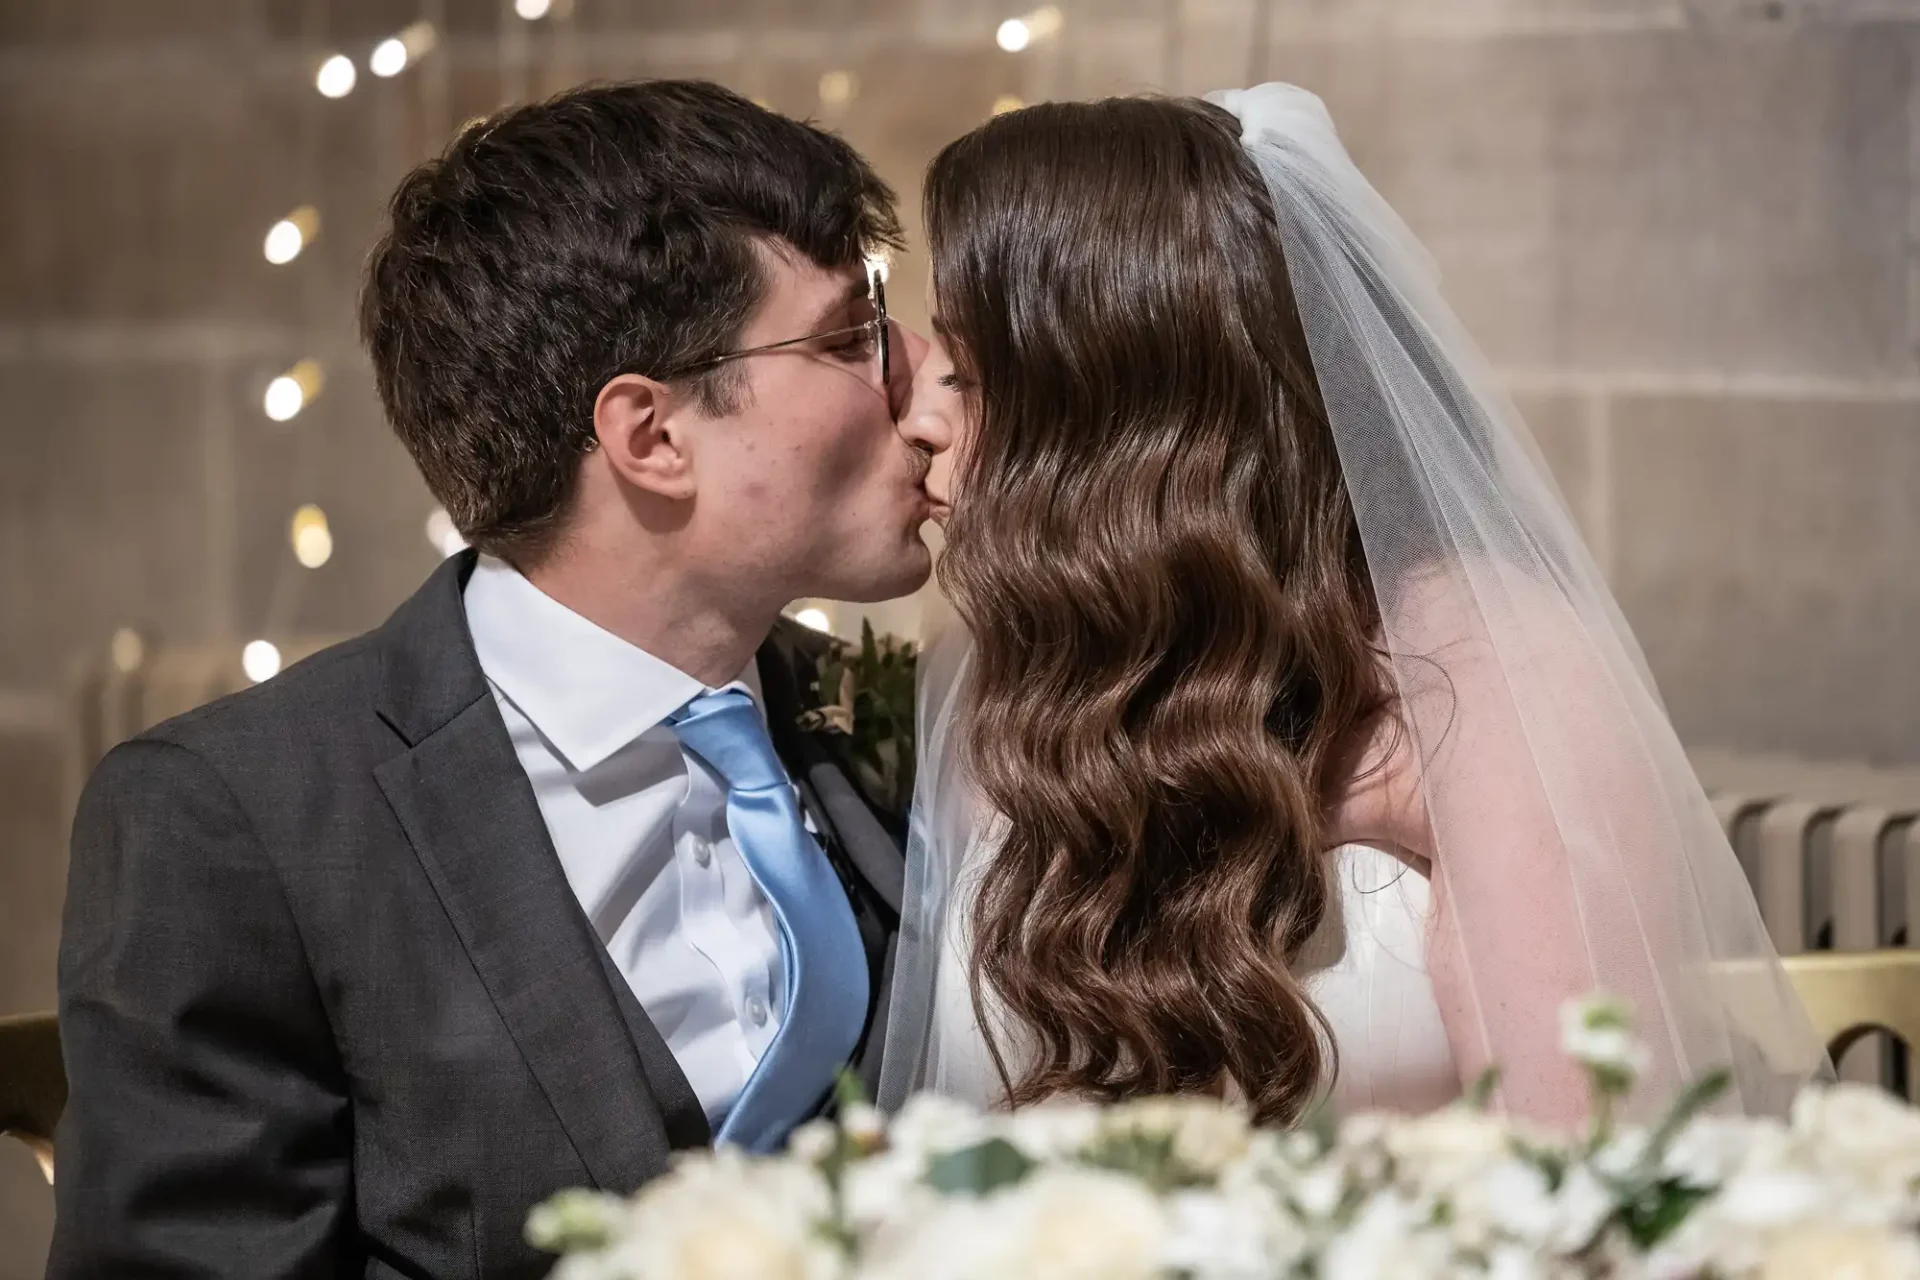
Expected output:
(1289, 742)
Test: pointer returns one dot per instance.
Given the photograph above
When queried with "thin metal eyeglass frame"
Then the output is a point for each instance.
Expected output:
(877, 291)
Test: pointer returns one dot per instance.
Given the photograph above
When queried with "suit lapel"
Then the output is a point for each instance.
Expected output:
(824, 785)
(469, 812)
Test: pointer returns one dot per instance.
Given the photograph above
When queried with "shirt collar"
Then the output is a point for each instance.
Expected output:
(586, 690)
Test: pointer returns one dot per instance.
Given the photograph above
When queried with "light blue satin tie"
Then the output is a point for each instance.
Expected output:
(824, 962)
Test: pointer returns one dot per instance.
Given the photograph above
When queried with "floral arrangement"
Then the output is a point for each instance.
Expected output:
(1187, 1189)
(865, 697)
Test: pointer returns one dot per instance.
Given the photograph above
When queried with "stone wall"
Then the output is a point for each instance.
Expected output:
(1686, 231)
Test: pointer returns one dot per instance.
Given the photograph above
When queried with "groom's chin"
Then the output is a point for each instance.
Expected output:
(906, 574)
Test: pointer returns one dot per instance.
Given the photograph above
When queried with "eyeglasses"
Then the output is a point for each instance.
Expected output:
(876, 330)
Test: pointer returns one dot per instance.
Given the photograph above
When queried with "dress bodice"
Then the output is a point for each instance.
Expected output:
(1366, 969)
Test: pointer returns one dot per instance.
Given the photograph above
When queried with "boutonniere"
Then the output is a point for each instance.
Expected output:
(865, 697)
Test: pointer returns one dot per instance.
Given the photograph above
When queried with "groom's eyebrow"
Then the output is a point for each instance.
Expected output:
(838, 308)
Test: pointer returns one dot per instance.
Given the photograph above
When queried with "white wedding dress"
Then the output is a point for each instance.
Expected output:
(1368, 967)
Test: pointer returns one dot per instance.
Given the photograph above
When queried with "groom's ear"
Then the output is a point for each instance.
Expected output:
(641, 438)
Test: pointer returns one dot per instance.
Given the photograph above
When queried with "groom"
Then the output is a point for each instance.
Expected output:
(541, 880)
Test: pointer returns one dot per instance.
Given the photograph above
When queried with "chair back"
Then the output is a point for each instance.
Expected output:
(33, 1083)
(1850, 994)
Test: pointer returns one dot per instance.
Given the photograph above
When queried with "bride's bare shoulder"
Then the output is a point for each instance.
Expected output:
(1446, 676)
(1379, 801)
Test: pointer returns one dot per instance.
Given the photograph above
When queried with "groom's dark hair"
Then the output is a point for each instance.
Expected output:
(554, 246)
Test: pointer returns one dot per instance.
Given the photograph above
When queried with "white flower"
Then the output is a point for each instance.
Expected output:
(930, 1125)
(1240, 1233)
(1386, 1241)
(884, 1186)
(1761, 1198)
(1445, 1147)
(1318, 1192)
(1596, 1033)
(1052, 1130)
(1074, 1224)
(728, 1217)
(576, 1219)
(1510, 1199)
(1713, 1148)
(934, 1237)
(1511, 1262)
(864, 1124)
(1842, 1253)
(1623, 1154)
(813, 1141)
(1862, 1130)
(1207, 1135)
(1059, 1223)
(1581, 1207)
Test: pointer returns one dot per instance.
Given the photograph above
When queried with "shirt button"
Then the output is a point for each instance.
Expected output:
(757, 1011)
(702, 852)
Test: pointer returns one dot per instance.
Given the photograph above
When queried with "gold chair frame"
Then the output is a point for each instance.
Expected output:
(33, 1083)
(1850, 994)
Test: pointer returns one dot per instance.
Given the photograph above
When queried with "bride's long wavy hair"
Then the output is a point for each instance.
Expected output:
(1154, 550)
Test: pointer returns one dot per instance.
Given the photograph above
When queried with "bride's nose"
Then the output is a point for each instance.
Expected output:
(924, 420)
(909, 358)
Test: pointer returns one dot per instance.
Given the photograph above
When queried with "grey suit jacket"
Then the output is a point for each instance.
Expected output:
(329, 1006)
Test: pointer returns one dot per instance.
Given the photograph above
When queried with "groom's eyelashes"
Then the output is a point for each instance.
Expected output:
(857, 347)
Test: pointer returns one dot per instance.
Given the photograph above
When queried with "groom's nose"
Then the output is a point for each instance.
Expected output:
(910, 352)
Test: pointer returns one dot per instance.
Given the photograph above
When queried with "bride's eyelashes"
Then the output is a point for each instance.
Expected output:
(951, 381)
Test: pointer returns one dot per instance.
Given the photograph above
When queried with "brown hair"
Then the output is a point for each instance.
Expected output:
(556, 245)
(1154, 549)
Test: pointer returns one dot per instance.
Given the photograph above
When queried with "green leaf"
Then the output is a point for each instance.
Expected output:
(1664, 1206)
(1148, 1157)
(1551, 1164)
(1322, 1120)
(1694, 1099)
(574, 1221)
(847, 1089)
(1480, 1096)
(977, 1170)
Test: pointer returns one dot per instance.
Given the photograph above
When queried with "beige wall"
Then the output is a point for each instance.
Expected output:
(1685, 230)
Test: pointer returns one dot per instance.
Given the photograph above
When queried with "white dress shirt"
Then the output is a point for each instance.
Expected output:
(640, 825)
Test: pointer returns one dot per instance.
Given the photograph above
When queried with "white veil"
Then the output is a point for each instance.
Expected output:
(1568, 830)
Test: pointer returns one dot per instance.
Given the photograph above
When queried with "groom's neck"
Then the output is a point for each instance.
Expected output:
(710, 631)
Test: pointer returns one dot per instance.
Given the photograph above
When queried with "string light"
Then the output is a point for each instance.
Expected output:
(312, 539)
(391, 56)
(1016, 34)
(443, 535)
(260, 660)
(336, 77)
(815, 618)
(838, 87)
(293, 390)
(128, 650)
(532, 10)
(1007, 102)
(287, 237)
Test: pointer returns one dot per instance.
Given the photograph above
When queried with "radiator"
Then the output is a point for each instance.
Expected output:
(1833, 852)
